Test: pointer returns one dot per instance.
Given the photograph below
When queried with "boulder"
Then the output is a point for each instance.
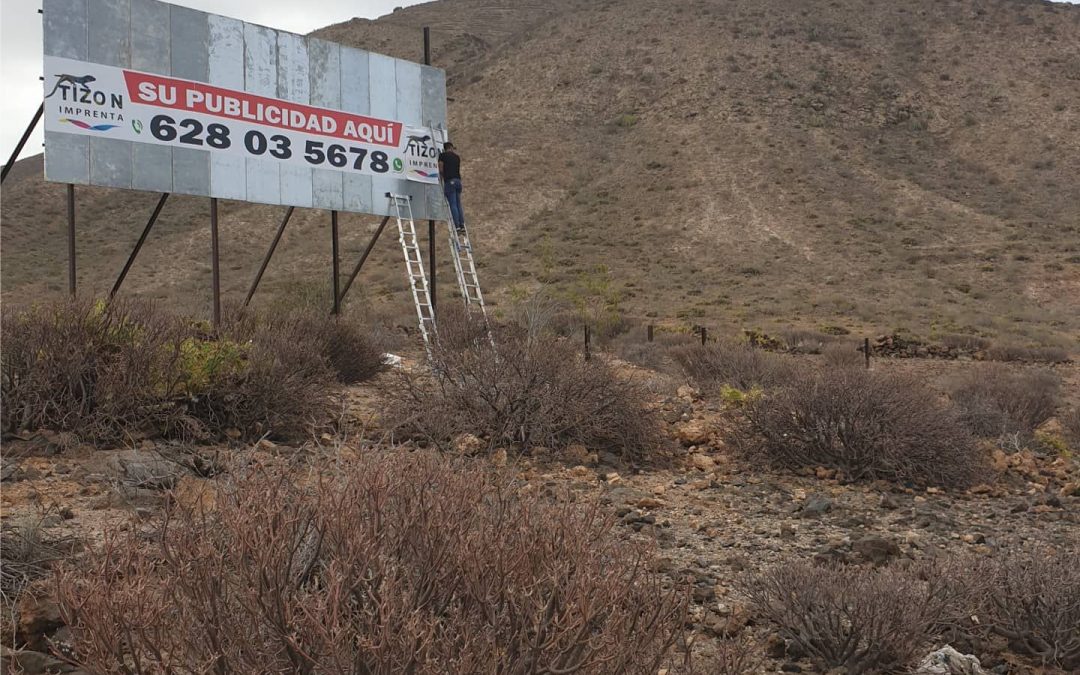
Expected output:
(875, 549)
(948, 661)
(39, 616)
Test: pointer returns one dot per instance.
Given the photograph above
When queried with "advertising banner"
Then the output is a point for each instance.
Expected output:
(108, 102)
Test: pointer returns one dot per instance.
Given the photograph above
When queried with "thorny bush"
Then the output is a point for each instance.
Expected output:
(737, 365)
(869, 425)
(860, 619)
(115, 371)
(996, 400)
(521, 392)
(399, 562)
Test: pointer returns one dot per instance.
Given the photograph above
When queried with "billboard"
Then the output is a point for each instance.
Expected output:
(144, 95)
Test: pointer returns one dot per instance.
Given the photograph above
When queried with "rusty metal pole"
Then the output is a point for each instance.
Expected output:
(214, 262)
(432, 285)
(866, 351)
(269, 254)
(364, 256)
(704, 335)
(71, 238)
(650, 332)
(22, 142)
(588, 355)
(139, 245)
(336, 274)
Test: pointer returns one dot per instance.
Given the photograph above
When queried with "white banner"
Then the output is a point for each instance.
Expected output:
(108, 102)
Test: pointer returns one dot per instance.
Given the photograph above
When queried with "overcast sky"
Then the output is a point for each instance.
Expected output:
(21, 55)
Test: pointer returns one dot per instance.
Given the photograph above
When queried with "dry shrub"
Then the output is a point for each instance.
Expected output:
(521, 392)
(102, 371)
(122, 370)
(995, 400)
(870, 425)
(26, 554)
(802, 341)
(736, 365)
(401, 562)
(844, 355)
(1027, 354)
(1032, 599)
(861, 619)
(1070, 421)
(965, 343)
(634, 347)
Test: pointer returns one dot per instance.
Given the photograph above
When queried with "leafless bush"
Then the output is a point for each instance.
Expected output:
(1033, 600)
(801, 341)
(995, 400)
(844, 355)
(108, 372)
(870, 425)
(736, 365)
(402, 562)
(965, 343)
(1027, 354)
(1070, 420)
(735, 656)
(102, 371)
(520, 392)
(26, 554)
(634, 347)
(861, 619)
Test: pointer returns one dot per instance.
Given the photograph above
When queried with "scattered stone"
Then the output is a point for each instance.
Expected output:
(146, 469)
(581, 472)
(693, 432)
(649, 503)
(39, 616)
(468, 444)
(875, 549)
(815, 506)
(948, 661)
(7, 469)
(787, 531)
(687, 393)
(702, 462)
(889, 502)
(613, 478)
(498, 458)
(974, 538)
(790, 667)
(825, 474)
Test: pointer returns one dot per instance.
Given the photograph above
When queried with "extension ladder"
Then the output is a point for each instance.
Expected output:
(414, 266)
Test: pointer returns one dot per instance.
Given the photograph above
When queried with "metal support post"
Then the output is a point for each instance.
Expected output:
(71, 238)
(269, 254)
(22, 142)
(336, 274)
(139, 245)
(431, 265)
(364, 256)
(214, 262)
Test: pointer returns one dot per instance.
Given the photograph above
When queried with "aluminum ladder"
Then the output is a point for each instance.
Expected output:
(414, 265)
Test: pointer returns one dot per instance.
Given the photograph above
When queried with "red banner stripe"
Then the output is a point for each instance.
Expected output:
(167, 92)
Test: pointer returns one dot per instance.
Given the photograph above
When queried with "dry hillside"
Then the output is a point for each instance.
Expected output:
(740, 163)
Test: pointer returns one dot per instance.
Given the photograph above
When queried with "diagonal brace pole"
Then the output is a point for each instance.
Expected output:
(269, 254)
(22, 142)
(363, 258)
(139, 245)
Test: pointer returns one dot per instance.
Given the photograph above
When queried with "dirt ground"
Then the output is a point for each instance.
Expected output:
(709, 515)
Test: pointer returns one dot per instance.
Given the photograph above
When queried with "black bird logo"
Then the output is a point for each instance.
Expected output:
(74, 80)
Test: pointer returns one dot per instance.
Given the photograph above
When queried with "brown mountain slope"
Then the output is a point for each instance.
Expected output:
(743, 163)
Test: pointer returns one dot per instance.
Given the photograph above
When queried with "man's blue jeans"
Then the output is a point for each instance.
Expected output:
(452, 190)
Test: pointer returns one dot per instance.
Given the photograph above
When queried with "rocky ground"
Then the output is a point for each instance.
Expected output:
(709, 515)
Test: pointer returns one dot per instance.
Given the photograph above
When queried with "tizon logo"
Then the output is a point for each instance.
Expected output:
(421, 146)
(88, 108)
(64, 80)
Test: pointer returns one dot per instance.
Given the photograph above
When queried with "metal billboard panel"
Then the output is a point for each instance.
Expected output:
(154, 96)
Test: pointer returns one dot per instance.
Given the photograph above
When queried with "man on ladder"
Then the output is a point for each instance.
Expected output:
(450, 176)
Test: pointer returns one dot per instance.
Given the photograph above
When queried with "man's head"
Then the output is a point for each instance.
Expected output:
(448, 145)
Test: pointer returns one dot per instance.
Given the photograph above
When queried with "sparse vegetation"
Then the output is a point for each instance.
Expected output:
(860, 619)
(521, 393)
(402, 561)
(867, 424)
(729, 363)
(109, 372)
(995, 400)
